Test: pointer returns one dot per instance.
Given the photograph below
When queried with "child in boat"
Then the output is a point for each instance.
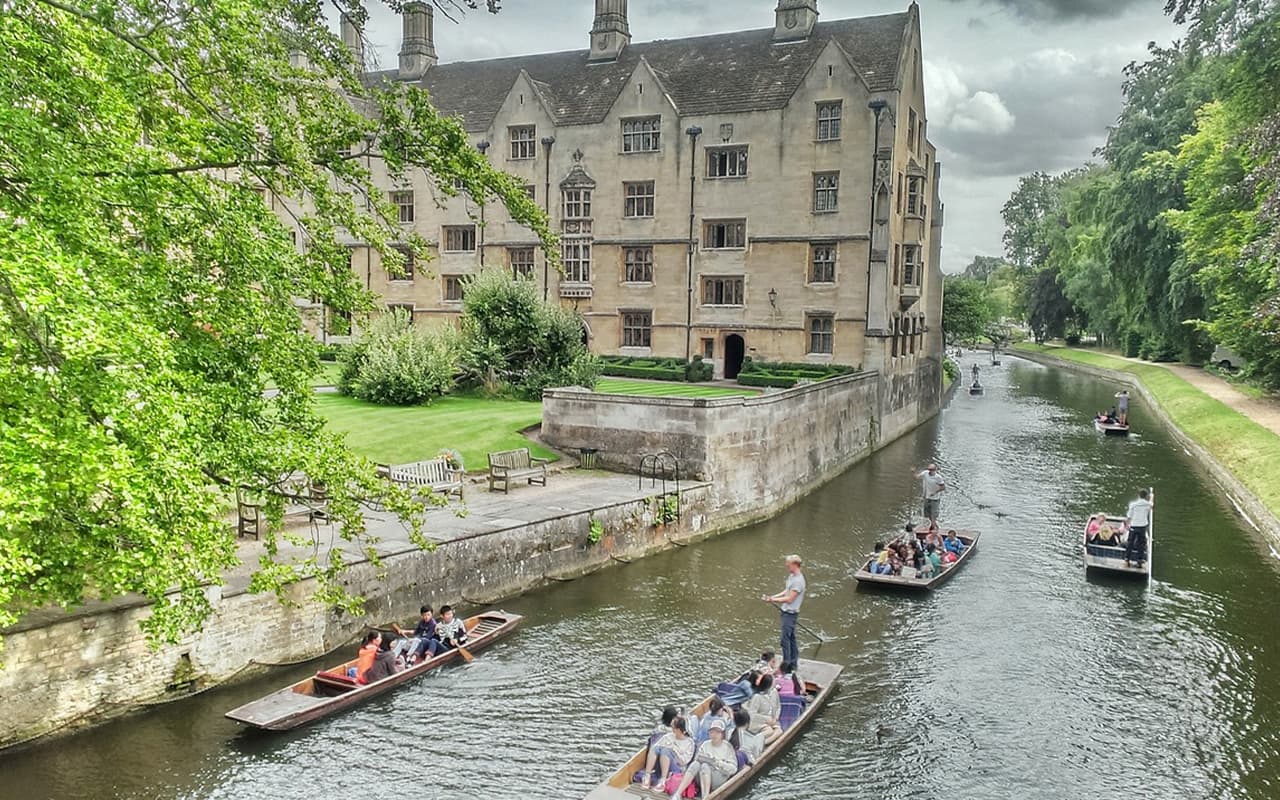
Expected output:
(672, 754)
(787, 682)
(879, 563)
(743, 739)
(450, 631)
(716, 710)
(953, 543)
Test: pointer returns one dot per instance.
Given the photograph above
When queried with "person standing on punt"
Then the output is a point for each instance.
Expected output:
(1122, 407)
(1137, 520)
(788, 602)
(932, 485)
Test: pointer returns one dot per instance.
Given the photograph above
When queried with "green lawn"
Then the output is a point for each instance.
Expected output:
(328, 376)
(473, 426)
(1248, 450)
(667, 389)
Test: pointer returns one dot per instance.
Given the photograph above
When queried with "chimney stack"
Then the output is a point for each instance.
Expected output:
(418, 47)
(353, 38)
(794, 19)
(610, 34)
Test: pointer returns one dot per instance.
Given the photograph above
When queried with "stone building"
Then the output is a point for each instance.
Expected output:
(768, 193)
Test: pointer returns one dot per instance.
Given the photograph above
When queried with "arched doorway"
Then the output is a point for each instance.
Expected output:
(734, 351)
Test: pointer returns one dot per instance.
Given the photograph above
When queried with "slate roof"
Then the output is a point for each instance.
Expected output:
(720, 73)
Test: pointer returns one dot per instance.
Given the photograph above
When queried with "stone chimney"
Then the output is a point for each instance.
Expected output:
(418, 47)
(794, 20)
(610, 34)
(353, 38)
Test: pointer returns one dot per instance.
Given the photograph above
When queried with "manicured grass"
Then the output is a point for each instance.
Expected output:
(667, 389)
(474, 426)
(1248, 450)
(328, 376)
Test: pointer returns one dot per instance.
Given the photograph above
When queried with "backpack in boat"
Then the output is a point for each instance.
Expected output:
(673, 781)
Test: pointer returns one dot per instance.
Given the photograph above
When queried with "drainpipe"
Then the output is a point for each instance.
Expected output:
(483, 147)
(694, 132)
(547, 142)
(877, 106)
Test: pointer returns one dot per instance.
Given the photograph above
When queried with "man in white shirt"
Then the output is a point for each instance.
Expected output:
(1137, 519)
(932, 486)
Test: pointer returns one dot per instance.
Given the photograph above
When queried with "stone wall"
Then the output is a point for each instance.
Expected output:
(760, 453)
(93, 666)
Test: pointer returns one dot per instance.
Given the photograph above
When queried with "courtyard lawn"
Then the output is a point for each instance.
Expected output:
(667, 389)
(474, 426)
(1248, 450)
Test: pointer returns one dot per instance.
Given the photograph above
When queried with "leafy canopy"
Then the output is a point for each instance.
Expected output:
(147, 285)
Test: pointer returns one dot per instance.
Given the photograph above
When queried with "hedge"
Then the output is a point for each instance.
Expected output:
(760, 379)
(658, 369)
(652, 373)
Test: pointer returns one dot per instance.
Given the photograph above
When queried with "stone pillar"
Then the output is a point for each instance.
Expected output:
(353, 39)
(610, 34)
(418, 47)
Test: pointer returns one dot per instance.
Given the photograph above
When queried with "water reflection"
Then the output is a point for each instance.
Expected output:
(1020, 678)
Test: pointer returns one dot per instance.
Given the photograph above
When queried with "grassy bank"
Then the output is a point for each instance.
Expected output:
(474, 426)
(1248, 450)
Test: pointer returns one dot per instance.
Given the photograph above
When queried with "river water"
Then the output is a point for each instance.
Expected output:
(1019, 679)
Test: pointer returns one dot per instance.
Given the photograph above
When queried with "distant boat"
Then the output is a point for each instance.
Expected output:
(910, 582)
(976, 389)
(1110, 427)
(329, 691)
(1103, 558)
(819, 679)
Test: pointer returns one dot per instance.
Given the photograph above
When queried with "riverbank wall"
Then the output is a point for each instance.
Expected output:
(1245, 501)
(759, 453)
(743, 460)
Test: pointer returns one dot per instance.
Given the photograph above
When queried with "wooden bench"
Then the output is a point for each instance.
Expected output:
(435, 474)
(514, 465)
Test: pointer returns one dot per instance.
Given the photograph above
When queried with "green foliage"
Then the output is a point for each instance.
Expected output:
(514, 338)
(699, 370)
(658, 369)
(668, 508)
(951, 370)
(146, 298)
(966, 312)
(394, 363)
(595, 532)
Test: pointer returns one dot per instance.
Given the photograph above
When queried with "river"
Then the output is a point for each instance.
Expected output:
(1020, 678)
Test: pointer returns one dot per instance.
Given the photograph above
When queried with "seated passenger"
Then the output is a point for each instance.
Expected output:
(385, 664)
(713, 765)
(935, 560)
(768, 663)
(752, 744)
(953, 543)
(1095, 523)
(368, 654)
(672, 754)
(879, 563)
(669, 715)
(926, 569)
(1107, 536)
(788, 683)
(423, 642)
(451, 632)
(700, 726)
(765, 709)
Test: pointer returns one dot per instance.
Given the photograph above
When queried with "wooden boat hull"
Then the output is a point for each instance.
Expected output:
(977, 390)
(1111, 428)
(820, 679)
(1102, 559)
(865, 576)
(311, 699)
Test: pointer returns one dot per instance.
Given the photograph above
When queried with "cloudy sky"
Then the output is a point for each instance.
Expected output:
(1013, 86)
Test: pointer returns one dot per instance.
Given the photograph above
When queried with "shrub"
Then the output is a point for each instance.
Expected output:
(330, 352)
(698, 370)
(759, 379)
(1073, 340)
(951, 369)
(394, 363)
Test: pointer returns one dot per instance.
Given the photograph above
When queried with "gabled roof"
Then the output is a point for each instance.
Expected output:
(721, 73)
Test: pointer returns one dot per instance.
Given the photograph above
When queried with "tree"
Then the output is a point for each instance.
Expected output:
(1049, 310)
(146, 288)
(983, 267)
(966, 314)
(1028, 216)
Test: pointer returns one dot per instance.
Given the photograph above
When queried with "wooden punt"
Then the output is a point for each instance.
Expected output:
(820, 680)
(1101, 558)
(1110, 428)
(328, 692)
(970, 540)
(976, 389)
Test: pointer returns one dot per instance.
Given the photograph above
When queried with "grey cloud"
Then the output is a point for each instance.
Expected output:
(1061, 10)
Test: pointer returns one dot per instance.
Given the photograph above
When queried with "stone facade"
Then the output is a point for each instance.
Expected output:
(731, 181)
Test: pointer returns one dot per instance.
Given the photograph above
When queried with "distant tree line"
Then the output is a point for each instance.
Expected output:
(1169, 243)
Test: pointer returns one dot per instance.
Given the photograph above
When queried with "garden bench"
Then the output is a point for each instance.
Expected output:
(435, 474)
(514, 465)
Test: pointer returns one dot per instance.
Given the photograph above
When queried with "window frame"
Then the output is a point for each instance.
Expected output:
(522, 148)
(633, 141)
(915, 196)
(728, 223)
(463, 230)
(581, 205)
(811, 324)
(397, 198)
(634, 203)
(912, 264)
(409, 265)
(638, 322)
(729, 288)
(575, 258)
(520, 268)
(454, 280)
(826, 198)
(829, 264)
(644, 264)
(742, 162)
(832, 123)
